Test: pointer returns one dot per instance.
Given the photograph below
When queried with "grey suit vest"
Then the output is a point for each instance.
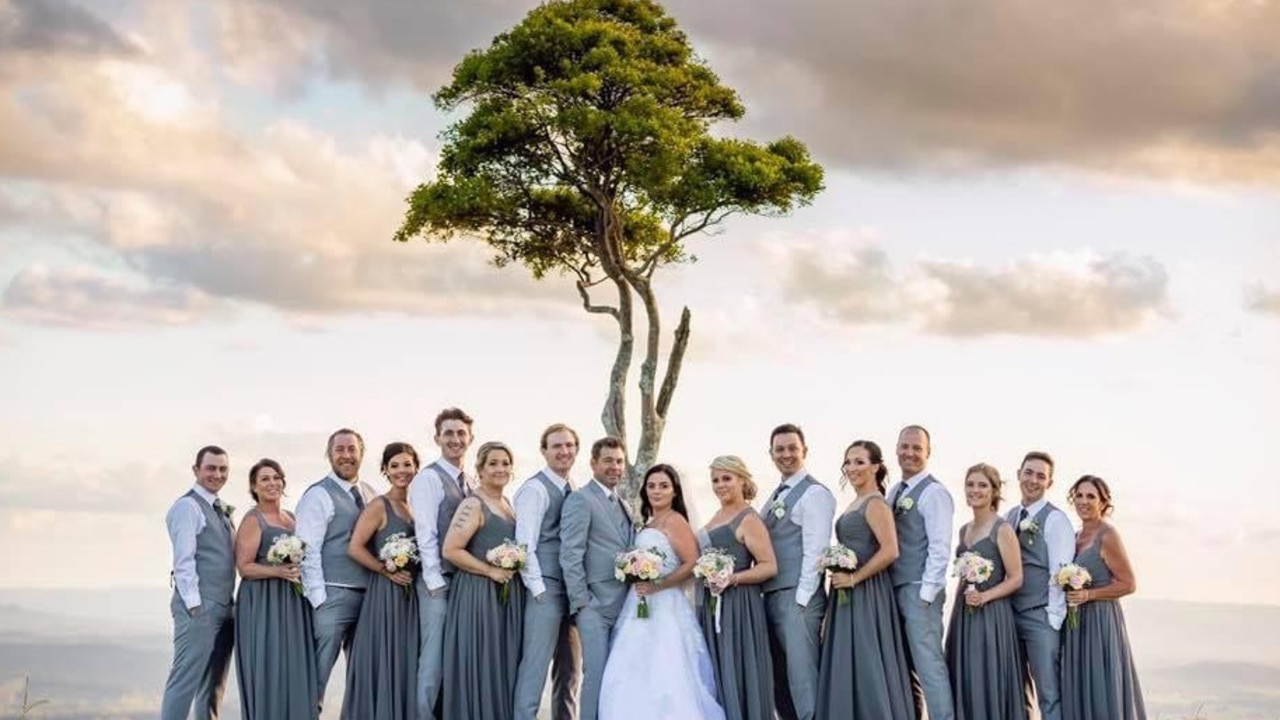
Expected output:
(215, 554)
(787, 538)
(453, 497)
(339, 568)
(1034, 592)
(913, 540)
(548, 551)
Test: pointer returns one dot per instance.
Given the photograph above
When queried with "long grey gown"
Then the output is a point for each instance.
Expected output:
(983, 653)
(1098, 678)
(740, 649)
(863, 672)
(382, 680)
(275, 649)
(483, 635)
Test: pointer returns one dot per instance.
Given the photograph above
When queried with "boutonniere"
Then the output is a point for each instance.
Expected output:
(778, 508)
(905, 505)
(1029, 529)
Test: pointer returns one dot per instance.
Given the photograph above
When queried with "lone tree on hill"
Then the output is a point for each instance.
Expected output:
(588, 151)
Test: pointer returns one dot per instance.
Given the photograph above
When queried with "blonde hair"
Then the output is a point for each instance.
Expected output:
(993, 476)
(734, 464)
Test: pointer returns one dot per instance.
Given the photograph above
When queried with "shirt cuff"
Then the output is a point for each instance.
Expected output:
(804, 595)
(929, 591)
(537, 587)
(435, 581)
(1055, 619)
(317, 596)
(191, 600)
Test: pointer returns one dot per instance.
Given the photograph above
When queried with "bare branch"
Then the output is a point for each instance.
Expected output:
(674, 362)
(597, 309)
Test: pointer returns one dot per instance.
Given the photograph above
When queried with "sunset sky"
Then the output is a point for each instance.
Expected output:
(1046, 226)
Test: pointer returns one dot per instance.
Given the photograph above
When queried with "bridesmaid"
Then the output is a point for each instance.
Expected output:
(863, 672)
(983, 653)
(482, 634)
(1098, 678)
(382, 680)
(737, 632)
(275, 652)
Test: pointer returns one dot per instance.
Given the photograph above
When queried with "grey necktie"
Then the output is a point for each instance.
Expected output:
(1022, 516)
(355, 495)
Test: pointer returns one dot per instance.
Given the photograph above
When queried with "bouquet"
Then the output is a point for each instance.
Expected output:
(510, 555)
(973, 569)
(1072, 577)
(714, 567)
(839, 558)
(287, 550)
(639, 565)
(399, 552)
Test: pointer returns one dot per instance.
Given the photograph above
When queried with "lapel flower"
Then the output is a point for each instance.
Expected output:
(1029, 529)
(905, 505)
(778, 508)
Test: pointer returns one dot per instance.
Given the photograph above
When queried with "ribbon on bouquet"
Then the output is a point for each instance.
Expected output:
(719, 603)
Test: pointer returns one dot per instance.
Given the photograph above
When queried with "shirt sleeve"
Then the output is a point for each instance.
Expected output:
(184, 522)
(939, 512)
(531, 506)
(314, 512)
(1062, 549)
(425, 495)
(815, 516)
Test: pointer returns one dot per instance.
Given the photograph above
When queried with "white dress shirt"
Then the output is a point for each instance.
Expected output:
(312, 516)
(185, 520)
(531, 505)
(425, 495)
(1061, 539)
(938, 511)
(815, 513)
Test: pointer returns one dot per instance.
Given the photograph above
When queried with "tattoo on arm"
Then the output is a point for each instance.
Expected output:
(462, 518)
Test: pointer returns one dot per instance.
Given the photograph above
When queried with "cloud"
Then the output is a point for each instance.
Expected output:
(1262, 300)
(57, 26)
(146, 164)
(1060, 295)
(81, 485)
(1179, 88)
(84, 298)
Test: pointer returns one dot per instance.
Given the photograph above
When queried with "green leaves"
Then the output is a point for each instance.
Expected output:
(587, 139)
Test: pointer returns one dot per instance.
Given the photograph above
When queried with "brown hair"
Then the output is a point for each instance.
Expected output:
(607, 441)
(328, 448)
(1104, 492)
(993, 476)
(253, 475)
(453, 413)
(786, 429)
(1038, 455)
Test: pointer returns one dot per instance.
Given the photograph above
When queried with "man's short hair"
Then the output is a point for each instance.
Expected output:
(608, 442)
(786, 429)
(343, 431)
(553, 429)
(208, 450)
(1040, 455)
(453, 413)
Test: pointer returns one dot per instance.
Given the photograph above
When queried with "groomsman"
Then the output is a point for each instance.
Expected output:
(1047, 542)
(435, 494)
(204, 575)
(595, 525)
(799, 516)
(546, 630)
(332, 582)
(922, 512)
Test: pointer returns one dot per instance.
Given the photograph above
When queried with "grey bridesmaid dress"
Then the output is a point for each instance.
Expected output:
(740, 649)
(275, 649)
(983, 653)
(863, 671)
(382, 679)
(483, 635)
(1099, 681)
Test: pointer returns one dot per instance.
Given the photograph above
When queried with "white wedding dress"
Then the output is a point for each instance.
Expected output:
(659, 667)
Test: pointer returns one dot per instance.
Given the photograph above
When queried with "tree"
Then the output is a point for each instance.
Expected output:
(588, 151)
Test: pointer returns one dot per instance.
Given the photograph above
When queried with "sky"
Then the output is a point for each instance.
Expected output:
(1045, 226)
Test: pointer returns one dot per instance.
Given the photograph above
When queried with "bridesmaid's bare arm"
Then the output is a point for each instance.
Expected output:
(467, 521)
(1117, 559)
(248, 537)
(753, 534)
(371, 520)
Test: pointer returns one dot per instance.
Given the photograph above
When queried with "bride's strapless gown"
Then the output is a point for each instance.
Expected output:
(659, 667)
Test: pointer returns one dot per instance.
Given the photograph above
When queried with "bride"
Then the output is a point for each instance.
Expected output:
(659, 667)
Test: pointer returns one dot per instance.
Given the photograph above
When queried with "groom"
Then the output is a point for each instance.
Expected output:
(1047, 542)
(595, 526)
(798, 516)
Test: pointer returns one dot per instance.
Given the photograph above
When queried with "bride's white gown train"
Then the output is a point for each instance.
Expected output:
(659, 667)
